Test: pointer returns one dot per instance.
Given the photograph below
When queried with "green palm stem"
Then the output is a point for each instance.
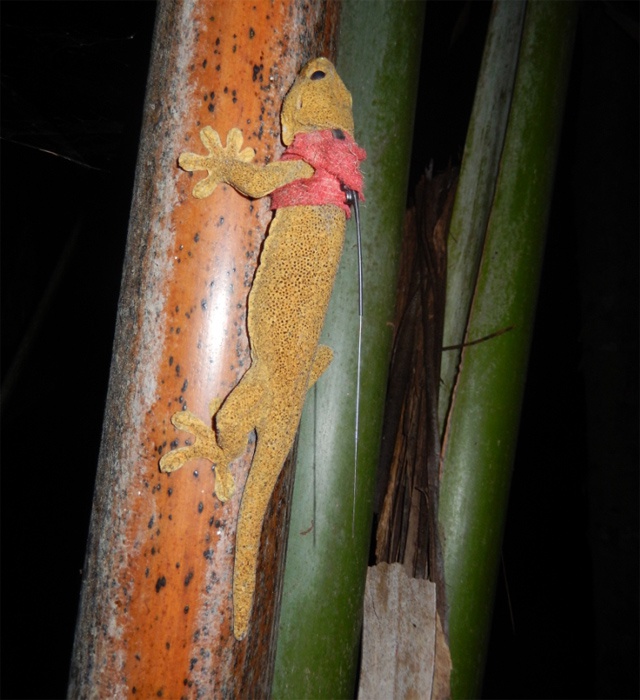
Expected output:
(481, 426)
(321, 614)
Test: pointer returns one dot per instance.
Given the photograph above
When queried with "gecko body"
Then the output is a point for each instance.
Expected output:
(287, 302)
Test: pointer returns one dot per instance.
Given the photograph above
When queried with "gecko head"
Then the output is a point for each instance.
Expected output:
(317, 100)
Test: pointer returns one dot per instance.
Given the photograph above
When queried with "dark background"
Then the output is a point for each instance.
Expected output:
(73, 81)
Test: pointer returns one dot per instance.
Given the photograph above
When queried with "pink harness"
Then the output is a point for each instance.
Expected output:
(336, 159)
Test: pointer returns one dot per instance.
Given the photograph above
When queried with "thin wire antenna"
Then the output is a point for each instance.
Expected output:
(315, 462)
(352, 200)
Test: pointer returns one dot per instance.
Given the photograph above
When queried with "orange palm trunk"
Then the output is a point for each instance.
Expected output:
(156, 610)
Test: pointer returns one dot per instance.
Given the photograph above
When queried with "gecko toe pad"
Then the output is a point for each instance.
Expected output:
(217, 161)
(205, 446)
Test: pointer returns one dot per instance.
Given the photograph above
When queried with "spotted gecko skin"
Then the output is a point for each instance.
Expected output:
(286, 309)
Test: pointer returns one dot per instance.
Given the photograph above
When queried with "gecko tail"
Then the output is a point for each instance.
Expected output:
(255, 501)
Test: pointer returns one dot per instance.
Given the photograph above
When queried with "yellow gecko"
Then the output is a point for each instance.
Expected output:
(288, 300)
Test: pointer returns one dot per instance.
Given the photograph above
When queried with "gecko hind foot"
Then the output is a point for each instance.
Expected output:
(205, 446)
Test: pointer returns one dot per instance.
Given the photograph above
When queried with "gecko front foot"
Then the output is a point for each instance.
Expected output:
(205, 446)
(218, 162)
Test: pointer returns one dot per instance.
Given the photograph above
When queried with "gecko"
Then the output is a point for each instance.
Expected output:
(288, 300)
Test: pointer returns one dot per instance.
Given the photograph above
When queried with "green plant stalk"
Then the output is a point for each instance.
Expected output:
(478, 175)
(481, 431)
(321, 615)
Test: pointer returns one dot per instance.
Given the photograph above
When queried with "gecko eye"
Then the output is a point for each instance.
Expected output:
(318, 75)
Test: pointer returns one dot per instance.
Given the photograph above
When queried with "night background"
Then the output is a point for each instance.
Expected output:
(73, 83)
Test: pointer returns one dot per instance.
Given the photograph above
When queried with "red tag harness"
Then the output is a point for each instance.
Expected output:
(336, 158)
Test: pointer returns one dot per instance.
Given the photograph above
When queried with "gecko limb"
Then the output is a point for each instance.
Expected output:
(205, 446)
(217, 162)
(324, 355)
(237, 416)
(228, 164)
